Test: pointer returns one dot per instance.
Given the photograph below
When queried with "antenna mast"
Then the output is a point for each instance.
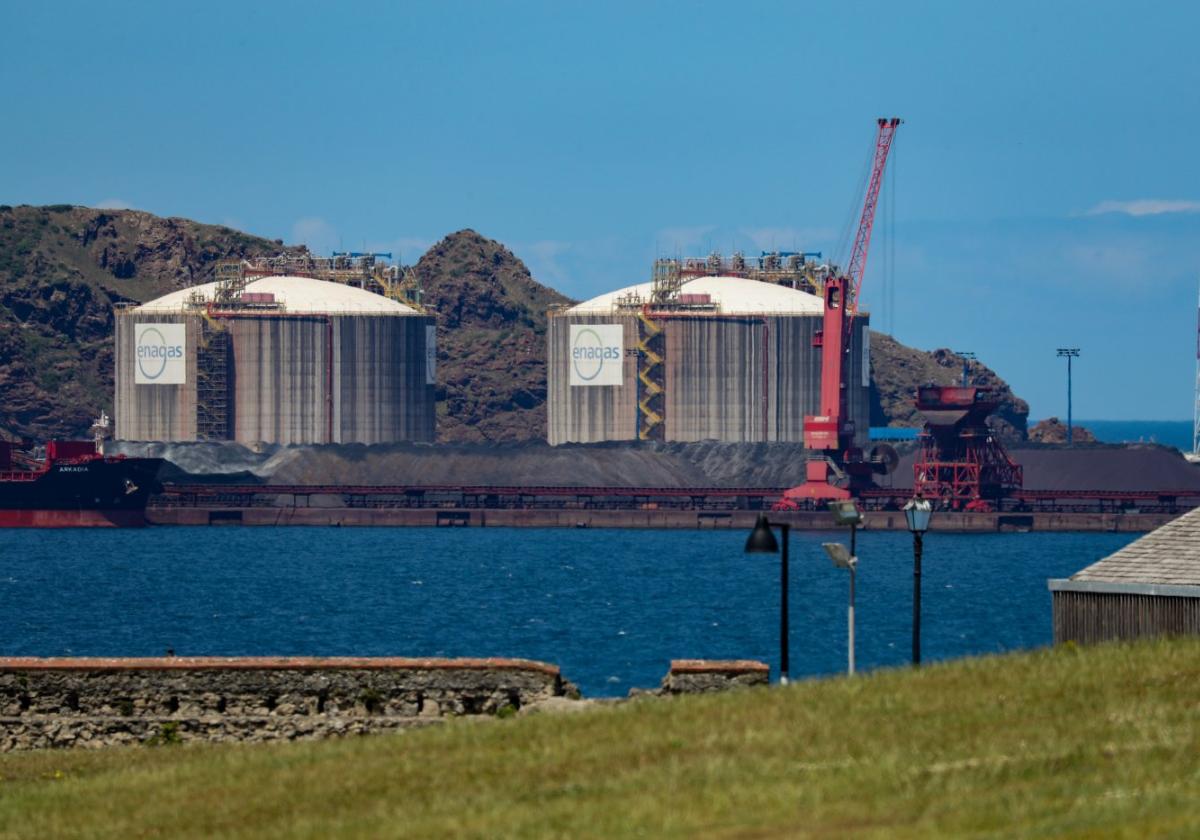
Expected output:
(1195, 454)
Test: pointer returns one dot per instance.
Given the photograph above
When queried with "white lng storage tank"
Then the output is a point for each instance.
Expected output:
(280, 359)
(718, 358)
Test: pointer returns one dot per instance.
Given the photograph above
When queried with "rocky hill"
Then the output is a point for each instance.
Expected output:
(897, 371)
(62, 269)
(491, 340)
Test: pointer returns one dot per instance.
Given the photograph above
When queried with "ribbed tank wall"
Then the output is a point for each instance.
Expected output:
(858, 400)
(728, 377)
(716, 378)
(153, 412)
(281, 379)
(795, 377)
(589, 414)
(380, 394)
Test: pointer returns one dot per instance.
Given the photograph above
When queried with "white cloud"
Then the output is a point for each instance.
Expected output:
(1145, 207)
(115, 204)
(316, 233)
(544, 259)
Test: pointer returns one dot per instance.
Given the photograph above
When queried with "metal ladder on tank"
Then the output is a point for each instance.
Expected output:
(212, 380)
(650, 373)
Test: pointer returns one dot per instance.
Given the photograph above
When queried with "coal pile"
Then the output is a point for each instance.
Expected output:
(674, 465)
(707, 464)
(1105, 468)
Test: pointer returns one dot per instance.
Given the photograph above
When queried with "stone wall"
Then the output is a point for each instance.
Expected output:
(98, 702)
(699, 676)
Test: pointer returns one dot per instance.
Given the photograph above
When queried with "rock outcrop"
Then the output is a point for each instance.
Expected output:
(1054, 431)
(491, 340)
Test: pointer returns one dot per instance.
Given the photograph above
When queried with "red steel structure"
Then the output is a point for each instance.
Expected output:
(840, 467)
(961, 464)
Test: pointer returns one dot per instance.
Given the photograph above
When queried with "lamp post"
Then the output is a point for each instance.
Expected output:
(918, 512)
(762, 541)
(846, 512)
(1070, 353)
(843, 559)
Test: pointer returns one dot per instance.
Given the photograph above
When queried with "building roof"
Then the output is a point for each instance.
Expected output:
(302, 295)
(734, 295)
(1162, 562)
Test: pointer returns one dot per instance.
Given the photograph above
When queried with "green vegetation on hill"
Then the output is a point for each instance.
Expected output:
(491, 340)
(1102, 741)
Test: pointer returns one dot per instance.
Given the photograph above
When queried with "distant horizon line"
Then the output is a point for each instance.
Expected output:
(1077, 420)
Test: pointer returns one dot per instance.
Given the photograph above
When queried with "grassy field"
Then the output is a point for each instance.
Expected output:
(1103, 741)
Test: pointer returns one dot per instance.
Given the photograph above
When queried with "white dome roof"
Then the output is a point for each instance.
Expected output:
(733, 296)
(302, 295)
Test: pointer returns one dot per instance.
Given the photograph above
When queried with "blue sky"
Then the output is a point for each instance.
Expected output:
(1045, 191)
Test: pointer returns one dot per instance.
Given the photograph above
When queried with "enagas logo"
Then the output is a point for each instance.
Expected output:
(596, 354)
(158, 349)
(589, 354)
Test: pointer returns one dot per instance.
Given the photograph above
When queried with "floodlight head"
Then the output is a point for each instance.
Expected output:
(918, 512)
(762, 538)
(840, 555)
(845, 512)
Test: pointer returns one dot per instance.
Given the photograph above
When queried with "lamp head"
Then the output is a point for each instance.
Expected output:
(840, 555)
(762, 538)
(845, 512)
(918, 512)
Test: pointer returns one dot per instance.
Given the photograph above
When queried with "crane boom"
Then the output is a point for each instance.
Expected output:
(830, 435)
(856, 269)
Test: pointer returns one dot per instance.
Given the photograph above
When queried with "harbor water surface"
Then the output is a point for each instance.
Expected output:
(610, 607)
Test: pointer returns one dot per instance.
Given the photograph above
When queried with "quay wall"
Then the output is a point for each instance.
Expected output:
(332, 513)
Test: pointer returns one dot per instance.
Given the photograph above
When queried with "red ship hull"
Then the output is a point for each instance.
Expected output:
(72, 518)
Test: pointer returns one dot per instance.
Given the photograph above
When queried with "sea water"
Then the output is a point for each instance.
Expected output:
(1177, 433)
(611, 607)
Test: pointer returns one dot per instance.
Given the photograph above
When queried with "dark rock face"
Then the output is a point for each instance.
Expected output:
(491, 340)
(897, 371)
(1053, 430)
(62, 268)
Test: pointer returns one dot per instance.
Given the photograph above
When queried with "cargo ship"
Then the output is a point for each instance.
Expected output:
(72, 484)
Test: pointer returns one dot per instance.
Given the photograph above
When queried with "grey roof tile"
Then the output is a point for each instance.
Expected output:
(1167, 555)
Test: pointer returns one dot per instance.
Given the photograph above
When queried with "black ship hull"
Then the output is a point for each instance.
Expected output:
(93, 491)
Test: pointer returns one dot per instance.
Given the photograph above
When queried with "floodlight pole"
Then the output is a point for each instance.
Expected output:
(967, 357)
(1069, 353)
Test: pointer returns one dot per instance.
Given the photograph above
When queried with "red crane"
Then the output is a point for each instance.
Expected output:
(838, 465)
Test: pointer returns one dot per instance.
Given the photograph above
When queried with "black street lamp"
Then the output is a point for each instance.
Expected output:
(918, 512)
(762, 541)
